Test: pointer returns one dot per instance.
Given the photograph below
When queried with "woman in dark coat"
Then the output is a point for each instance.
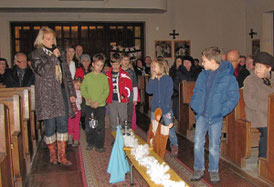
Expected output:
(182, 69)
(54, 93)
(3, 67)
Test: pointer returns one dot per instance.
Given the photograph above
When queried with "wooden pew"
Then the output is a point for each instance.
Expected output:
(26, 124)
(186, 115)
(266, 166)
(18, 162)
(6, 175)
(240, 137)
(145, 98)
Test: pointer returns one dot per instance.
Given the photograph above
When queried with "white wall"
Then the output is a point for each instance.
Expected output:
(205, 23)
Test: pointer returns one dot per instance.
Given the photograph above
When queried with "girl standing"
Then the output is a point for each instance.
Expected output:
(160, 85)
(74, 123)
(54, 93)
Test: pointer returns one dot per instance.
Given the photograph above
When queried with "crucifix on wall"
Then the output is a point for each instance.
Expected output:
(251, 33)
(174, 34)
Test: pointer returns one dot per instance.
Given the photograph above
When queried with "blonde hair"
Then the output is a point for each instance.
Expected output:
(163, 66)
(39, 39)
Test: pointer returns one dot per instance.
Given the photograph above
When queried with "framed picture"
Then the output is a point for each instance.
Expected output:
(163, 49)
(181, 48)
(255, 46)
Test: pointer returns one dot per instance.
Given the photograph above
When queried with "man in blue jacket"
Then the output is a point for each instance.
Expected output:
(215, 95)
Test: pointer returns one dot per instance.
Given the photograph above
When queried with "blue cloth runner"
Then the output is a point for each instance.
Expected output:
(118, 165)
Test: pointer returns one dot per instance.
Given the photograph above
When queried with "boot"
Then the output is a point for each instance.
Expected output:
(62, 159)
(174, 150)
(52, 152)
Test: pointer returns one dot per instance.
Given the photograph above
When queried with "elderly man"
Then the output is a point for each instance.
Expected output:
(21, 74)
(240, 72)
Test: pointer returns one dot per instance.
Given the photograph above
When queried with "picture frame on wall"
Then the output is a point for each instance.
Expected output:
(255, 46)
(181, 48)
(163, 48)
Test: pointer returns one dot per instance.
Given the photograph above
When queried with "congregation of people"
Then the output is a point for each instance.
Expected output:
(73, 88)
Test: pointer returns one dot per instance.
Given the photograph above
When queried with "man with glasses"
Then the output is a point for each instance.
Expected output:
(21, 74)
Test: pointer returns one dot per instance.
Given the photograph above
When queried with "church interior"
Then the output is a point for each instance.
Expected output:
(165, 29)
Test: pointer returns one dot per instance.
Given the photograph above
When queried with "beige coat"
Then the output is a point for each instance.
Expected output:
(256, 100)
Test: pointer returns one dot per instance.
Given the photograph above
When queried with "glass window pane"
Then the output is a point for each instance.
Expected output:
(84, 31)
(100, 27)
(17, 45)
(137, 31)
(66, 32)
(66, 43)
(138, 43)
(17, 32)
(92, 27)
(26, 28)
(36, 27)
(74, 32)
(58, 30)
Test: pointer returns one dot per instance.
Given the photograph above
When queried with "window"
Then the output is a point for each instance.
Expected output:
(95, 37)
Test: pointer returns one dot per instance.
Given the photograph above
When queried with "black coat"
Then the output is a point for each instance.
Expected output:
(11, 79)
(243, 73)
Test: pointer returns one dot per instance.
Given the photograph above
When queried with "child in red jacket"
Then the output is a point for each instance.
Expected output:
(120, 87)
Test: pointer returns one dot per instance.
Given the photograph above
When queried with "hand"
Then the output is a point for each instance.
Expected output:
(72, 99)
(56, 52)
(170, 125)
(95, 104)
(122, 97)
(153, 75)
(134, 102)
(89, 102)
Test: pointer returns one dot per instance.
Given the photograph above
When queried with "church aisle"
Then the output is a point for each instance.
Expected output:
(45, 174)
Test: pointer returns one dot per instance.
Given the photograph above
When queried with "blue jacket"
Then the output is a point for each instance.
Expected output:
(223, 96)
(162, 91)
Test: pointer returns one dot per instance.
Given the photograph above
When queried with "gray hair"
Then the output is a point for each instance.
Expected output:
(85, 56)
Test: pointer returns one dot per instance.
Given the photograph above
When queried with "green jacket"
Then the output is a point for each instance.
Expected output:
(96, 88)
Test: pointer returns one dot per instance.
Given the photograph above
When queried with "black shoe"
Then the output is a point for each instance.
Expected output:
(89, 147)
(100, 150)
(112, 143)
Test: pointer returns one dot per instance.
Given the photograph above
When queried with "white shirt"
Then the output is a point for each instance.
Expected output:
(72, 69)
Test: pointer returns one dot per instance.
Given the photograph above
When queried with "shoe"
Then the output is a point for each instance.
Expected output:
(62, 158)
(89, 147)
(53, 154)
(112, 143)
(197, 175)
(174, 150)
(100, 150)
(75, 144)
(214, 177)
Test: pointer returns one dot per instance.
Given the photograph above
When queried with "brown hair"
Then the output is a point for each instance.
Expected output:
(99, 57)
(77, 80)
(213, 53)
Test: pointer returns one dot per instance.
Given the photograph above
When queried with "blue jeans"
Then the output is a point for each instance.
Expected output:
(59, 123)
(214, 133)
(168, 118)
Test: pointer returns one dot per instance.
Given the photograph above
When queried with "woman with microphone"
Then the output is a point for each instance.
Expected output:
(54, 93)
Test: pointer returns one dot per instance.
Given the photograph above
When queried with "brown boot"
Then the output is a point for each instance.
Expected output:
(52, 152)
(62, 159)
(174, 150)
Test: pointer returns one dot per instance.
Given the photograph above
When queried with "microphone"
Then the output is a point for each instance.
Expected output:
(53, 48)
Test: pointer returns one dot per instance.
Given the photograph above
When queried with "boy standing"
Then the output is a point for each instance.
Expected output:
(95, 90)
(120, 87)
(125, 65)
(215, 95)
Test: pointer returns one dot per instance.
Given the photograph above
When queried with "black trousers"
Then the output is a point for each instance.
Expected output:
(96, 137)
(263, 142)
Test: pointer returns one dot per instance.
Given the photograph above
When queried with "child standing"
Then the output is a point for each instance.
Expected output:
(74, 123)
(95, 90)
(125, 64)
(120, 87)
(161, 86)
(215, 95)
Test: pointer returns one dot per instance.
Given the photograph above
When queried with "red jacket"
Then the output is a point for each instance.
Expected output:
(79, 73)
(124, 86)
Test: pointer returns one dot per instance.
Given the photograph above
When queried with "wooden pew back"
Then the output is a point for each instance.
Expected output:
(18, 161)
(5, 148)
(266, 166)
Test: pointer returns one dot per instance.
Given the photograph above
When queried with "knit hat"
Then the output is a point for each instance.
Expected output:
(264, 58)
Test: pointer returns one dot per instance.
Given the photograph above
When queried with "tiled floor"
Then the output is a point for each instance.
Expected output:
(45, 174)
